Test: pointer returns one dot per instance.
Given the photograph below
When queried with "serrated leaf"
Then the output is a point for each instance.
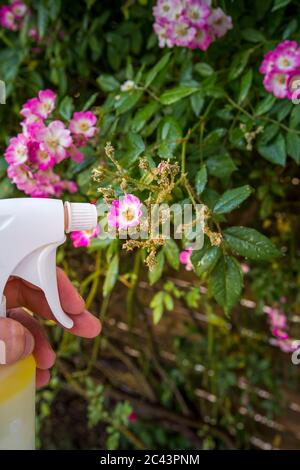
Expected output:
(151, 75)
(226, 282)
(220, 166)
(127, 101)
(171, 251)
(135, 146)
(66, 107)
(250, 243)
(238, 65)
(201, 179)
(265, 105)
(252, 35)
(280, 4)
(176, 94)
(204, 69)
(90, 102)
(42, 19)
(231, 199)
(155, 274)
(274, 151)
(108, 82)
(143, 115)
(295, 117)
(293, 146)
(245, 86)
(197, 102)
(268, 134)
(169, 131)
(205, 259)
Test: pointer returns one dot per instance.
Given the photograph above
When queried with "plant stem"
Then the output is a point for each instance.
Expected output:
(132, 289)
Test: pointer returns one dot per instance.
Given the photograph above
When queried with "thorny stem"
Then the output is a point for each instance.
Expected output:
(264, 118)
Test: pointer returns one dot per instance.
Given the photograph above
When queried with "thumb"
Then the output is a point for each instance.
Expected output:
(16, 342)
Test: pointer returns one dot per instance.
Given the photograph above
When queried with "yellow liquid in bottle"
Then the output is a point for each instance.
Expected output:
(17, 405)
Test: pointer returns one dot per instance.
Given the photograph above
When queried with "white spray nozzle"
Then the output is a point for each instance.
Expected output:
(80, 216)
(30, 232)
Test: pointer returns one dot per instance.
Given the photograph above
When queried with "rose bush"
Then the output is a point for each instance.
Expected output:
(174, 101)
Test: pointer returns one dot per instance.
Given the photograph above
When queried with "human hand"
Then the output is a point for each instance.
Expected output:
(23, 335)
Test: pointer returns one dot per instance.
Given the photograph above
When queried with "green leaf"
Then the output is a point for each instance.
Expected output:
(201, 179)
(157, 306)
(155, 274)
(66, 107)
(168, 133)
(252, 35)
(239, 64)
(204, 69)
(250, 243)
(176, 94)
(111, 276)
(108, 83)
(197, 102)
(6, 188)
(220, 166)
(143, 115)
(171, 251)
(151, 75)
(90, 102)
(293, 146)
(3, 168)
(268, 134)
(295, 117)
(280, 4)
(135, 146)
(231, 199)
(168, 302)
(205, 259)
(274, 151)
(226, 282)
(265, 105)
(127, 101)
(246, 83)
(42, 19)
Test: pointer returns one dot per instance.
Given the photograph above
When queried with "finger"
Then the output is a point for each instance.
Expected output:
(42, 378)
(19, 292)
(71, 300)
(43, 353)
(86, 325)
(16, 341)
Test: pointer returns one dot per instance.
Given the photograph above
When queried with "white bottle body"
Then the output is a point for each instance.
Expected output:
(17, 405)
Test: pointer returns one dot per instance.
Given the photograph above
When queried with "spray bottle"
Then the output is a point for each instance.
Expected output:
(30, 232)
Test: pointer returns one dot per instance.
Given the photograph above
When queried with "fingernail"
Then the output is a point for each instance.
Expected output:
(29, 344)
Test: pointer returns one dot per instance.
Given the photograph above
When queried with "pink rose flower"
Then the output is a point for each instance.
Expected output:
(84, 237)
(185, 258)
(219, 22)
(125, 212)
(83, 123)
(56, 139)
(197, 13)
(17, 151)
